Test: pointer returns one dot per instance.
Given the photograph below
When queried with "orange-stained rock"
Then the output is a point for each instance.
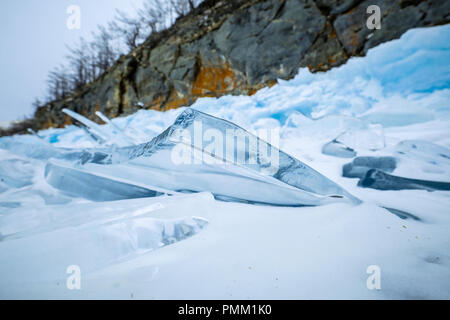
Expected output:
(213, 81)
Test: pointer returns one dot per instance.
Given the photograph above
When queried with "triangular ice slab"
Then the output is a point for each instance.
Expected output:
(196, 154)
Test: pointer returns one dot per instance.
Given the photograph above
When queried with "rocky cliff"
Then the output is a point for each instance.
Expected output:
(237, 47)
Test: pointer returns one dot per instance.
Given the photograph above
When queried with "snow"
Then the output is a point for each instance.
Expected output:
(193, 246)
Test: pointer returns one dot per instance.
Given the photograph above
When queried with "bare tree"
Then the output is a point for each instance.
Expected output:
(87, 61)
(130, 29)
(156, 15)
(58, 83)
(105, 52)
(36, 104)
(92, 70)
(79, 59)
(183, 7)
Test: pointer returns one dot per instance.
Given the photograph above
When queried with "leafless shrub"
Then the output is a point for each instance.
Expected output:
(128, 28)
(58, 84)
(105, 52)
(79, 61)
(88, 60)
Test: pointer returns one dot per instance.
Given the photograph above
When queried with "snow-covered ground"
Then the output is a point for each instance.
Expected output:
(191, 246)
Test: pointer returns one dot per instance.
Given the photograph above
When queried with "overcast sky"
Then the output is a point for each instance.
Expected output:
(33, 36)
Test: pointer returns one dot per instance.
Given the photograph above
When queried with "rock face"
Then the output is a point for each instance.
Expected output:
(238, 47)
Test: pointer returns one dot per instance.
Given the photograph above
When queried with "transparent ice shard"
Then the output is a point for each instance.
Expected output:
(327, 127)
(31, 131)
(35, 195)
(416, 165)
(35, 148)
(96, 244)
(32, 219)
(354, 139)
(116, 130)
(77, 183)
(298, 120)
(369, 138)
(338, 149)
(92, 135)
(16, 173)
(349, 132)
(182, 229)
(101, 234)
(244, 171)
(106, 133)
(245, 168)
(359, 166)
